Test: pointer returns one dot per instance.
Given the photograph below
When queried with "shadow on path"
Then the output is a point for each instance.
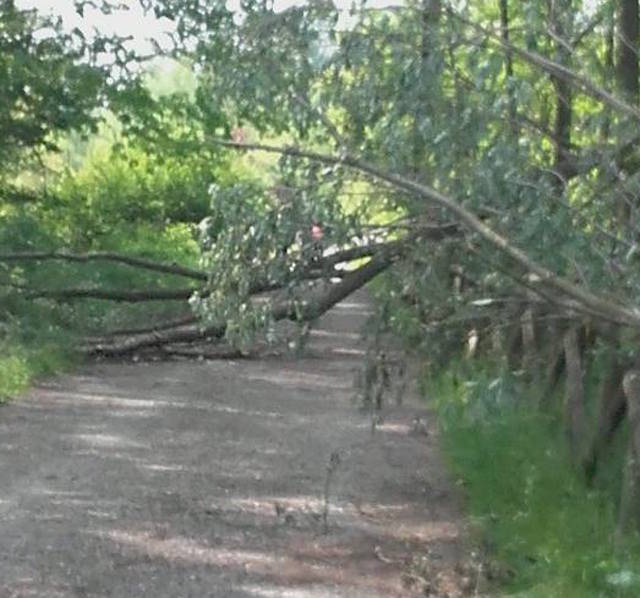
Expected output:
(185, 479)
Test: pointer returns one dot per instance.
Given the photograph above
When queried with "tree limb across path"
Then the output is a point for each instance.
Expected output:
(324, 267)
(309, 311)
(605, 308)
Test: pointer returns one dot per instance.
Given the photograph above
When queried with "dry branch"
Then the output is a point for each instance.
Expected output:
(175, 323)
(113, 295)
(318, 269)
(136, 262)
(286, 310)
(221, 353)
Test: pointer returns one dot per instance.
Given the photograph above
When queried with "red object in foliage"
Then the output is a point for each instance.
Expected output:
(238, 135)
(316, 232)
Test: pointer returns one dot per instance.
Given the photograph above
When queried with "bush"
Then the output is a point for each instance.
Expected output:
(19, 366)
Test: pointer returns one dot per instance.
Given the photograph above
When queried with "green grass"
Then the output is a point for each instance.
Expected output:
(531, 509)
(20, 366)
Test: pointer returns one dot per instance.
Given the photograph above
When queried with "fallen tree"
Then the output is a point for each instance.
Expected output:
(593, 304)
(188, 328)
(322, 267)
(309, 311)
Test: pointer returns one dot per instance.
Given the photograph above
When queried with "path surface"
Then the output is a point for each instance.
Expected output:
(186, 479)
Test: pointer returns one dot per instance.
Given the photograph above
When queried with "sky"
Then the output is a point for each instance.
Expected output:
(133, 22)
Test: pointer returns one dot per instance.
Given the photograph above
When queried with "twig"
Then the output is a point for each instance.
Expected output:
(332, 466)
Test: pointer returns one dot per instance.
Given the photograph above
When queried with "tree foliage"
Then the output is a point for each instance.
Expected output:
(51, 82)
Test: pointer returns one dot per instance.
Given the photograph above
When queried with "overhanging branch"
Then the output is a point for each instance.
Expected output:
(609, 308)
(555, 69)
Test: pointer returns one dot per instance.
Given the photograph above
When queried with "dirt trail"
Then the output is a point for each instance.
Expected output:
(186, 479)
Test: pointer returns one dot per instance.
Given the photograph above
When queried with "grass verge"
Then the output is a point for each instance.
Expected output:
(542, 532)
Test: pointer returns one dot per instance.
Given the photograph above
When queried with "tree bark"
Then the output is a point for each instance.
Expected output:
(554, 373)
(611, 412)
(430, 12)
(286, 310)
(116, 295)
(529, 344)
(609, 63)
(560, 11)
(166, 325)
(575, 409)
(508, 66)
(629, 516)
(627, 67)
(627, 77)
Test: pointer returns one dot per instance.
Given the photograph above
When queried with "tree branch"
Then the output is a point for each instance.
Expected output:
(608, 308)
(286, 310)
(120, 296)
(176, 323)
(129, 260)
(318, 269)
(555, 69)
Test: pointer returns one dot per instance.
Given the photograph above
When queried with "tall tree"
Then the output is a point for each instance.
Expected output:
(628, 79)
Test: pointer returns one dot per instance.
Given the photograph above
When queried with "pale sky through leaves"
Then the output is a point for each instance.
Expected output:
(140, 27)
(133, 22)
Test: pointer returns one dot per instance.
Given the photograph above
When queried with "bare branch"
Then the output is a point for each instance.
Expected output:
(128, 260)
(322, 268)
(120, 296)
(176, 323)
(286, 310)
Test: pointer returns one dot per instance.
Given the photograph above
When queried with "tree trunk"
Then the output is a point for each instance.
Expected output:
(529, 344)
(554, 372)
(627, 77)
(508, 66)
(612, 409)
(311, 310)
(514, 349)
(629, 516)
(575, 412)
(431, 11)
(627, 67)
(560, 10)
(609, 63)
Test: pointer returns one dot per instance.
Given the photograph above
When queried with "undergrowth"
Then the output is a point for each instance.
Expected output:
(549, 535)
(41, 337)
(20, 365)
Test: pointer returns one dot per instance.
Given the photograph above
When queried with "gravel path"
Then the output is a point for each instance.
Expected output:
(185, 479)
